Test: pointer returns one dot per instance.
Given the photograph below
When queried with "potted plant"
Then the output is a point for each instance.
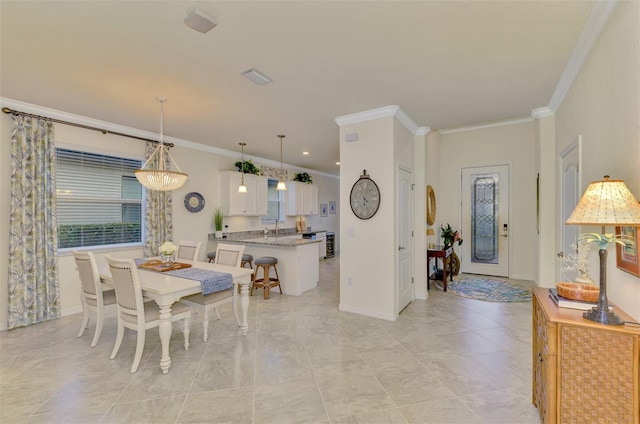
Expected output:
(303, 177)
(217, 222)
(249, 167)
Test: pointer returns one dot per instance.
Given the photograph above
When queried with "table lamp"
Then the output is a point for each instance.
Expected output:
(605, 202)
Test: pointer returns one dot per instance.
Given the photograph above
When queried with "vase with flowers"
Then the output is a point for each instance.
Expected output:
(166, 251)
(449, 237)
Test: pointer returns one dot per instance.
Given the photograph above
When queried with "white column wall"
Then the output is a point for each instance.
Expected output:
(603, 105)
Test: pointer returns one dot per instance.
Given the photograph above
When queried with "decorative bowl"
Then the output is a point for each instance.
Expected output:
(578, 291)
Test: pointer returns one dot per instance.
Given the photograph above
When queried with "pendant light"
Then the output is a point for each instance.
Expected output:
(281, 185)
(243, 188)
(162, 179)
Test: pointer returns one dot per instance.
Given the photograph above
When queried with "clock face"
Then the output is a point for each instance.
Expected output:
(365, 198)
(194, 202)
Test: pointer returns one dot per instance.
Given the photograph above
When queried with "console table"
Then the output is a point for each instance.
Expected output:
(439, 252)
(583, 371)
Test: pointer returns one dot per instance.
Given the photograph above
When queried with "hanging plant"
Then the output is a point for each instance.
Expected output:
(249, 167)
(303, 177)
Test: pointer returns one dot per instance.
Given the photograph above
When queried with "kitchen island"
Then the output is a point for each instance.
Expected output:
(298, 265)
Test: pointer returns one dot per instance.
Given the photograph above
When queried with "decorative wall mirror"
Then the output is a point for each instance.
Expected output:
(431, 205)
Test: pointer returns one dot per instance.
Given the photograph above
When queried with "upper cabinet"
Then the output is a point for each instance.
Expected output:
(301, 198)
(251, 203)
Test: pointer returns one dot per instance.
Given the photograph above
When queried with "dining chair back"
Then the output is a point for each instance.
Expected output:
(134, 313)
(188, 250)
(229, 254)
(226, 254)
(92, 296)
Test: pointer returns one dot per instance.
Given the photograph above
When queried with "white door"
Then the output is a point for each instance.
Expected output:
(405, 238)
(485, 220)
(570, 163)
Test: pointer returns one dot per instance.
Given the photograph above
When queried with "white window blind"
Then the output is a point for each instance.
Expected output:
(99, 200)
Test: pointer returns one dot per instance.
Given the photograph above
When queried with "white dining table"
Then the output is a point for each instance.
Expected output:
(167, 289)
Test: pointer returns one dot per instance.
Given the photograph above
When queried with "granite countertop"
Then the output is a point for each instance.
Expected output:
(275, 241)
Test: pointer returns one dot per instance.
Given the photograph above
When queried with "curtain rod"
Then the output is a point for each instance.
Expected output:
(73, 124)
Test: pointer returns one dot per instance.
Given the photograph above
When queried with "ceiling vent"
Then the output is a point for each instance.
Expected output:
(199, 21)
(256, 76)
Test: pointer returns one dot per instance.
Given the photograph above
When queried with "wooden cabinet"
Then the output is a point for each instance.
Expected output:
(583, 372)
(251, 203)
(301, 199)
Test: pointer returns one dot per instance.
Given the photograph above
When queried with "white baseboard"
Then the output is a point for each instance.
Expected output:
(71, 311)
(422, 296)
(367, 312)
(523, 277)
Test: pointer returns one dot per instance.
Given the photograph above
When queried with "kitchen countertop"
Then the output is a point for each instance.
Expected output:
(288, 241)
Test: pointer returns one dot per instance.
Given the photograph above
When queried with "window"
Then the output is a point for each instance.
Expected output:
(275, 204)
(99, 200)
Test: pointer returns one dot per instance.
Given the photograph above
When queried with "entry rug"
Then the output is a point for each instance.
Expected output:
(211, 281)
(488, 289)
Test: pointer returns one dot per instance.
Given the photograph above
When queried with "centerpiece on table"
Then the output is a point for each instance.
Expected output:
(449, 237)
(166, 251)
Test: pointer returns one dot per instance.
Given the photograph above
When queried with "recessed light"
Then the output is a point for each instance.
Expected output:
(337, 163)
(199, 21)
(305, 153)
(256, 76)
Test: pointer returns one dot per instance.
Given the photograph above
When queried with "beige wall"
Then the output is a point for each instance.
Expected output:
(514, 145)
(367, 247)
(603, 106)
(203, 168)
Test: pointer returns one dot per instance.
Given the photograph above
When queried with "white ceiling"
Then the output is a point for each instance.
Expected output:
(446, 64)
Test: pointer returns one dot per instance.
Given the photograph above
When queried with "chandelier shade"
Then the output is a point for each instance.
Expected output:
(242, 189)
(156, 173)
(281, 184)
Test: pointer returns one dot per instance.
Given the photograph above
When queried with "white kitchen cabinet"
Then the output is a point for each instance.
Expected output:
(251, 203)
(301, 198)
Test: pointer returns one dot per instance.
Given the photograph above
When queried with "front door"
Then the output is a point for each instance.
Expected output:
(405, 238)
(485, 220)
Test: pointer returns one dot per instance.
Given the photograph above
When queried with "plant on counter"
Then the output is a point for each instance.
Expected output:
(303, 177)
(249, 167)
(217, 219)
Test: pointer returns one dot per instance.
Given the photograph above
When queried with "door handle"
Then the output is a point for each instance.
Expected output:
(401, 247)
(560, 254)
(505, 235)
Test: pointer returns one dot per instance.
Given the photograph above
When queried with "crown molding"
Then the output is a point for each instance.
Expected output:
(423, 131)
(541, 112)
(487, 125)
(381, 112)
(590, 33)
(110, 126)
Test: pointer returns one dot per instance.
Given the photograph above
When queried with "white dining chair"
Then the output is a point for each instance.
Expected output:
(226, 254)
(135, 314)
(188, 250)
(92, 297)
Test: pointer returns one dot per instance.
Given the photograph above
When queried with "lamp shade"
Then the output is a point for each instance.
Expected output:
(606, 202)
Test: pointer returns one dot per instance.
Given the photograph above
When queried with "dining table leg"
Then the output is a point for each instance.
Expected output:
(244, 306)
(165, 328)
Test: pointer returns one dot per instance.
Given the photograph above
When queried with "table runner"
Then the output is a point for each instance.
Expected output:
(211, 281)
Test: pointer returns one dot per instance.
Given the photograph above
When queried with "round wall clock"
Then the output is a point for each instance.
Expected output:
(365, 197)
(194, 202)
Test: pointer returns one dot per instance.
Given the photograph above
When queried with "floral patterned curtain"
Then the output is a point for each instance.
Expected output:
(34, 289)
(158, 212)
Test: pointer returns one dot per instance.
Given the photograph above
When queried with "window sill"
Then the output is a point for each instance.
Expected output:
(100, 249)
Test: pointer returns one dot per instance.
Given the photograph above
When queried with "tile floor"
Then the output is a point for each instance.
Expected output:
(445, 360)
